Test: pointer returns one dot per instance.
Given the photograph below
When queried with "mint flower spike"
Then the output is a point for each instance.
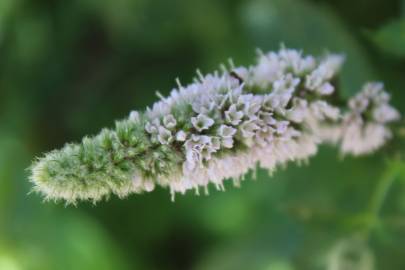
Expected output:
(219, 127)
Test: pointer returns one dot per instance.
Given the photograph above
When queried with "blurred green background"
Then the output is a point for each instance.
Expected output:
(69, 68)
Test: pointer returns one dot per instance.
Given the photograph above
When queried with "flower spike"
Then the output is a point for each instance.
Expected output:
(220, 127)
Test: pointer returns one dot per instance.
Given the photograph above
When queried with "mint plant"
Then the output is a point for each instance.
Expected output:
(220, 127)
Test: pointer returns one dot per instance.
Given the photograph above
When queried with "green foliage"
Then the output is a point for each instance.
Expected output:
(390, 38)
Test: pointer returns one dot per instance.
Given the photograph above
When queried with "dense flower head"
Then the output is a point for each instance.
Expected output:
(219, 127)
(369, 113)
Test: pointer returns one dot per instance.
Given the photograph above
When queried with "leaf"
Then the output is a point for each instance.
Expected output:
(390, 38)
(62, 241)
(403, 8)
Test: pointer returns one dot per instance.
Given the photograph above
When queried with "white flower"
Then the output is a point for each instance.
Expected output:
(199, 148)
(202, 122)
(323, 110)
(204, 105)
(326, 89)
(359, 103)
(286, 83)
(299, 110)
(283, 90)
(372, 99)
(134, 116)
(314, 80)
(281, 127)
(382, 98)
(372, 90)
(333, 63)
(364, 127)
(193, 148)
(294, 60)
(324, 72)
(151, 128)
(385, 114)
(264, 136)
(169, 121)
(233, 116)
(271, 102)
(164, 135)
(248, 128)
(361, 138)
(149, 185)
(227, 142)
(267, 118)
(215, 143)
(268, 69)
(181, 136)
(139, 184)
(225, 131)
(251, 106)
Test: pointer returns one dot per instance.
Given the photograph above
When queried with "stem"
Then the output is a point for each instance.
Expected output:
(380, 194)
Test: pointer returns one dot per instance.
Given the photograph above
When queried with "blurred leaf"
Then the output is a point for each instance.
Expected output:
(279, 265)
(390, 38)
(120, 17)
(8, 260)
(6, 8)
(238, 213)
(13, 160)
(403, 8)
(68, 241)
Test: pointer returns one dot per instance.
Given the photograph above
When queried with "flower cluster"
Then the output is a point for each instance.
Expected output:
(220, 127)
(369, 114)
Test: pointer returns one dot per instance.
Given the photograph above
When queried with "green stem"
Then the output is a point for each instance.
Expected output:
(378, 198)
